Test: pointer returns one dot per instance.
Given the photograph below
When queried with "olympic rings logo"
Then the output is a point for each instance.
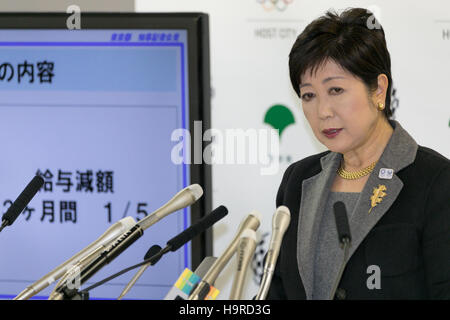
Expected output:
(270, 5)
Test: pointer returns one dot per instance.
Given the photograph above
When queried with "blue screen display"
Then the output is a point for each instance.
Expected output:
(92, 111)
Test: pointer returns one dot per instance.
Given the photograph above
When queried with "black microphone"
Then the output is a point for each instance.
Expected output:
(344, 237)
(176, 242)
(22, 201)
(151, 252)
(342, 226)
(172, 245)
(207, 221)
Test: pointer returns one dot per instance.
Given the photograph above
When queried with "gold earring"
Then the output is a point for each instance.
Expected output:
(380, 106)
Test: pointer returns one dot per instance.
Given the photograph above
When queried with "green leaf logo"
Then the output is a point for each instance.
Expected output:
(279, 117)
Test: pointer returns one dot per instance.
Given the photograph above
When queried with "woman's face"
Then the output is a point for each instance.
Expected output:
(335, 99)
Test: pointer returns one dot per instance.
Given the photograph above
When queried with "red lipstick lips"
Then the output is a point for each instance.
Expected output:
(331, 132)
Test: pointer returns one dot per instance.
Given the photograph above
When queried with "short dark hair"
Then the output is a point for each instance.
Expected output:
(354, 40)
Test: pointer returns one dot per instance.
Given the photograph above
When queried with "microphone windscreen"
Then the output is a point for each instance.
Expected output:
(204, 266)
(151, 252)
(23, 199)
(342, 226)
(203, 224)
(249, 233)
(196, 191)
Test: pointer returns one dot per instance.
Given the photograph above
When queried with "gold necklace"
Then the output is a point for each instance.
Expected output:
(352, 175)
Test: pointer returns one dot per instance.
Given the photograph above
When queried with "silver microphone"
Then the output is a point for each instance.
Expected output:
(133, 280)
(252, 221)
(72, 274)
(175, 293)
(106, 238)
(245, 251)
(154, 250)
(280, 223)
(181, 200)
(90, 266)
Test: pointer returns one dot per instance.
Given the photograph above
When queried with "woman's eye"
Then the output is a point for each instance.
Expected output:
(307, 96)
(336, 90)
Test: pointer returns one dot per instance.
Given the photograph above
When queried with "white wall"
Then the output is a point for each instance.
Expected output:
(249, 54)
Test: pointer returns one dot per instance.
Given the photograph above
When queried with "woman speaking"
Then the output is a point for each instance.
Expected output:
(396, 193)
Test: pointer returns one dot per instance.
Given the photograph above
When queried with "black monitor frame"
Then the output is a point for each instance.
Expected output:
(197, 27)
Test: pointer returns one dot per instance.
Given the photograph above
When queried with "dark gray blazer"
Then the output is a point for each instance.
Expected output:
(407, 234)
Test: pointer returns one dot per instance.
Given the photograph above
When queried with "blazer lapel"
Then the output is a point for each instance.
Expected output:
(399, 152)
(314, 191)
(361, 221)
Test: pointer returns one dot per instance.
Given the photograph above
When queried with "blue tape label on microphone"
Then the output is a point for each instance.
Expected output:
(184, 285)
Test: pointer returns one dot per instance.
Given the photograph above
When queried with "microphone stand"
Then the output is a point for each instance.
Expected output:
(74, 294)
(128, 238)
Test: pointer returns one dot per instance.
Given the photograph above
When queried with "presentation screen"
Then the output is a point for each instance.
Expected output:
(92, 112)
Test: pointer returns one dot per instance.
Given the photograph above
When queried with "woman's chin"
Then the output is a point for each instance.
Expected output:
(335, 147)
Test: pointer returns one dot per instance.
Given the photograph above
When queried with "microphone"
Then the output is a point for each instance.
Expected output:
(183, 286)
(107, 237)
(344, 237)
(151, 252)
(204, 223)
(280, 223)
(22, 201)
(246, 249)
(204, 266)
(183, 238)
(185, 197)
(182, 199)
(342, 226)
(252, 221)
(172, 245)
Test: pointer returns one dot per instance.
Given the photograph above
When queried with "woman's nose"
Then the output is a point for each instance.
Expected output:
(324, 109)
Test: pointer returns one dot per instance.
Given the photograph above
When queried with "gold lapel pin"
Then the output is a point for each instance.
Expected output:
(377, 196)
